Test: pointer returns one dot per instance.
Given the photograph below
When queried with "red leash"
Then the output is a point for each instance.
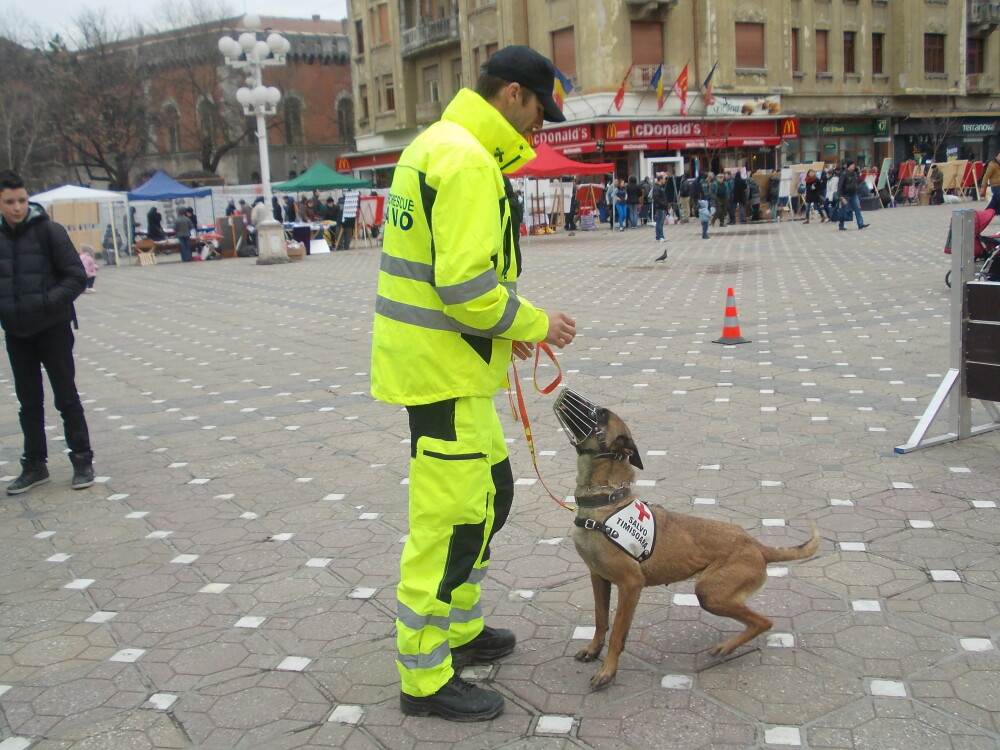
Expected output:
(521, 410)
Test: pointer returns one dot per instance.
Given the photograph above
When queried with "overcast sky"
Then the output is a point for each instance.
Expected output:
(51, 16)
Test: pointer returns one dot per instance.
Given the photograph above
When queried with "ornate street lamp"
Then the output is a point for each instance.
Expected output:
(253, 55)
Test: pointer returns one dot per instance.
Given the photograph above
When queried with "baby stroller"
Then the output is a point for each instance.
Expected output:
(987, 267)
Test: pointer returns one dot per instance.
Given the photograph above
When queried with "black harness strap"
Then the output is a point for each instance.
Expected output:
(590, 523)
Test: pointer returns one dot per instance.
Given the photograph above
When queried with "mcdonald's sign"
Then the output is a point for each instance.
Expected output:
(343, 164)
(790, 127)
(615, 130)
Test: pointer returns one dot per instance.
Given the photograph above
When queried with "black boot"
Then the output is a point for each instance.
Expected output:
(83, 469)
(456, 700)
(33, 472)
(489, 645)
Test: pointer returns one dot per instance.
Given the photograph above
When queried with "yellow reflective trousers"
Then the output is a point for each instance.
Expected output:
(461, 490)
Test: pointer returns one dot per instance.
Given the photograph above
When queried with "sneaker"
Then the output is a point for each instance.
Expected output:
(456, 700)
(33, 473)
(486, 647)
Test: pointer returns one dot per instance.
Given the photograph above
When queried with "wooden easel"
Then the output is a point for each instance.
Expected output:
(556, 218)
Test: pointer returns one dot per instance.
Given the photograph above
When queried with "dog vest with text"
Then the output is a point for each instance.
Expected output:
(633, 528)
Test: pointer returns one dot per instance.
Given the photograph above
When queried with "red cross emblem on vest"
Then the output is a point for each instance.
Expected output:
(643, 511)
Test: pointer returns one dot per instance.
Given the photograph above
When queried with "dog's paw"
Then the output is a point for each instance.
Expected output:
(602, 679)
(587, 654)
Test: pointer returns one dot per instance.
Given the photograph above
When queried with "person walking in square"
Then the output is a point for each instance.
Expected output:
(40, 276)
(183, 229)
(89, 266)
(849, 193)
(448, 317)
(704, 216)
(660, 208)
(719, 191)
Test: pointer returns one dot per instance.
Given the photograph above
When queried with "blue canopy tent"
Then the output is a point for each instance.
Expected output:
(163, 187)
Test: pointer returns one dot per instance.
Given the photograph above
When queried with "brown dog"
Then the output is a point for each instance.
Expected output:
(663, 547)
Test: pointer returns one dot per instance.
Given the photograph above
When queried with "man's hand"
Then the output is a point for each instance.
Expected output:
(522, 349)
(562, 329)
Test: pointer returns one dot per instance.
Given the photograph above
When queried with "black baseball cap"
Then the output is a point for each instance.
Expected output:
(520, 64)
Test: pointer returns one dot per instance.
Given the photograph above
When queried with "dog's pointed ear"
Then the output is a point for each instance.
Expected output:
(626, 446)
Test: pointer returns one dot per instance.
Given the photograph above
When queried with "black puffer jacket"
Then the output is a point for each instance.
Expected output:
(40, 274)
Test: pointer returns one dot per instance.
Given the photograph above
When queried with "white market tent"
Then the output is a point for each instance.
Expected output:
(79, 224)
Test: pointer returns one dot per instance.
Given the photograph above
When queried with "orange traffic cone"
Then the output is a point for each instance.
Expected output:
(731, 328)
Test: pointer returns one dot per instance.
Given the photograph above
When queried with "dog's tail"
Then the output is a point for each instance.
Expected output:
(783, 554)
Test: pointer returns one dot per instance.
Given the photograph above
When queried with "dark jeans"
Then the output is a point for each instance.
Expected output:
(185, 243)
(53, 350)
(660, 216)
(853, 205)
(346, 234)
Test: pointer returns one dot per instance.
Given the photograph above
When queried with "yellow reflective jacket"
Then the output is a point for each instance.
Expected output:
(447, 310)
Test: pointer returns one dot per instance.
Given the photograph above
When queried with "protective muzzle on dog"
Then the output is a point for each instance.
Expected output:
(581, 418)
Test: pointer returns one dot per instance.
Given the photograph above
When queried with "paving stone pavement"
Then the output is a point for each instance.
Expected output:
(229, 580)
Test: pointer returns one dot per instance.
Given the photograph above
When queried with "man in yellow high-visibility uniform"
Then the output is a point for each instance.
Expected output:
(447, 318)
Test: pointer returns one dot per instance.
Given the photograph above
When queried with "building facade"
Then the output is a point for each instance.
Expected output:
(791, 80)
(196, 127)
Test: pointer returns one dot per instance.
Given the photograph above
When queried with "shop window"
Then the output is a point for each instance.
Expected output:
(849, 67)
(796, 60)
(878, 66)
(750, 45)
(564, 51)
(934, 53)
(822, 53)
(975, 55)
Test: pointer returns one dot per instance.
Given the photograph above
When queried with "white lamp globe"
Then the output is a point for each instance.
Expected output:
(247, 41)
(278, 44)
(273, 95)
(244, 95)
(261, 50)
(259, 95)
(251, 21)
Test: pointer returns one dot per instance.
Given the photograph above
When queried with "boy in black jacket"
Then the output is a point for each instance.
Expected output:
(40, 276)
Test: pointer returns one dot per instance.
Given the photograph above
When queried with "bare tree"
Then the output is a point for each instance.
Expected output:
(26, 135)
(188, 68)
(102, 117)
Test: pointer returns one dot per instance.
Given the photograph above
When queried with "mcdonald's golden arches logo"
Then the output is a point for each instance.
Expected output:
(790, 127)
(343, 164)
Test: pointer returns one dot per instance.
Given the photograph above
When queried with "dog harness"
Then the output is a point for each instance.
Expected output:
(632, 528)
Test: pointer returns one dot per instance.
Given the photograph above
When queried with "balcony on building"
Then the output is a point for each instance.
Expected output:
(983, 12)
(979, 84)
(427, 35)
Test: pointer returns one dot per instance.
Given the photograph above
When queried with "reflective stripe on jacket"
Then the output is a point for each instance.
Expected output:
(447, 311)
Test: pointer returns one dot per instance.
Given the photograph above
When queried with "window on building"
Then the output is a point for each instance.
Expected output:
(363, 102)
(933, 53)
(359, 38)
(293, 121)
(390, 94)
(647, 51)
(975, 56)
(432, 84)
(564, 51)
(172, 129)
(345, 119)
(849, 47)
(206, 121)
(383, 23)
(878, 65)
(750, 45)
(456, 72)
(491, 49)
(477, 61)
(822, 51)
(796, 60)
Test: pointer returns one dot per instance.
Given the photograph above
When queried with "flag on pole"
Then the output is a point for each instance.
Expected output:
(562, 87)
(681, 89)
(620, 96)
(707, 85)
(656, 82)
